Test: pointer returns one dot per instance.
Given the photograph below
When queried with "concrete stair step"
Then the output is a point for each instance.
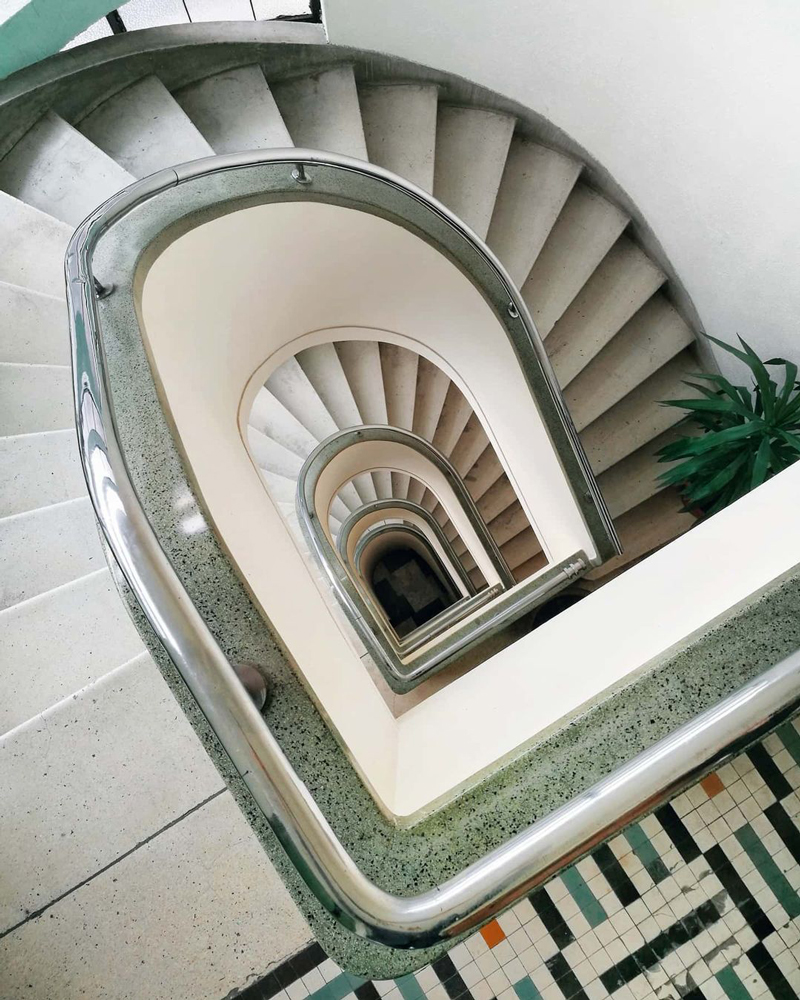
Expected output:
(34, 398)
(322, 111)
(235, 110)
(59, 171)
(621, 284)
(127, 763)
(290, 385)
(586, 229)
(144, 129)
(34, 327)
(37, 470)
(651, 338)
(57, 643)
(34, 245)
(639, 418)
(400, 129)
(46, 548)
(471, 149)
(535, 185)
(361, 364)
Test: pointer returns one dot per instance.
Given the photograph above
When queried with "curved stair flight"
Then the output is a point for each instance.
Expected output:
(617, 343)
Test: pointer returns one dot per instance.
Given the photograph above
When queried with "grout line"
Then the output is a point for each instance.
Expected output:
(142, 843)
(53, 590)
(49, 506)
(31, 291)
(46, 712)
(33, 434)
(31, 364)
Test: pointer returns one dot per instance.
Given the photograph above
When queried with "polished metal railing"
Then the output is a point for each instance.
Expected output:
(505, 873)
(409, 507)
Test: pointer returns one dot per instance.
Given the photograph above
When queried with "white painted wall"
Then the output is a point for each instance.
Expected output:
(692, 105)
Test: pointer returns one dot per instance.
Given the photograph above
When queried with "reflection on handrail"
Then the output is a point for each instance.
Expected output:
(505, 873)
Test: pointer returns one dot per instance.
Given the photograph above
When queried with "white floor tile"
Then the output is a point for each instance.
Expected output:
(192, 914)
(89, 780)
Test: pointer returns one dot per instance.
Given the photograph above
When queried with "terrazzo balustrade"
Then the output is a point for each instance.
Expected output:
(556, 766)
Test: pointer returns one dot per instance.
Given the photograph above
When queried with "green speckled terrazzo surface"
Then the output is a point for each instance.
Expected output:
(565, 761)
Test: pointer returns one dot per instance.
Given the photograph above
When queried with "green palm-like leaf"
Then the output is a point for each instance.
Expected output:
(745, 435)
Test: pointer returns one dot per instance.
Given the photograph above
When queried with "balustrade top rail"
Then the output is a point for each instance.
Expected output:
(505, 873)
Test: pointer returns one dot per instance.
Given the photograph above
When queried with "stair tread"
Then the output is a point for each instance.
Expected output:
(586, 229)
(235, 110)
(144, 129)
(34, 327)
(361, 364)
(471, 148)
(621, 284)
(271, 417)
(322, 112)
(324, 371)
(400, 129)
(535, 185)
(127, 764)
(496, 499)
(37, 470)
(47, 547)
(35, 244)
(638, 417)
(290, 385)
(644, 528)
(635, 479)
(271, 455)
(399, 367)
(648, 340)
(59, 171)
(64, 639)
(471, 444)
(456, 411)
(34, 398)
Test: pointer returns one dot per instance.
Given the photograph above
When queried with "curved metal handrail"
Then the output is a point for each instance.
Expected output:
(447, 619)
(505, 873)
(333, 446)
(343, 535)
(404, 671)
(411, 530)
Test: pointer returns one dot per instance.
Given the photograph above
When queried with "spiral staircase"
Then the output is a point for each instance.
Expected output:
(617, 342)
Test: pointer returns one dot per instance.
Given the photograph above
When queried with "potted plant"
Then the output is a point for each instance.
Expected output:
(740, 436)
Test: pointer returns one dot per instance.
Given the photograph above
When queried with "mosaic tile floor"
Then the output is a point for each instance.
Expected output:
(699, 900)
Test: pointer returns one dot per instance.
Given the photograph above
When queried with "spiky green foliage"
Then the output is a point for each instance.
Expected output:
(746, 434)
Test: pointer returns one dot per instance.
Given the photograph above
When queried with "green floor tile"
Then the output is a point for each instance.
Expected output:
(410, 988)
(732, 984)
(790, 739)
(584, 897)
(525, 990)
(769, 871)
(643, 849)
(337, 988)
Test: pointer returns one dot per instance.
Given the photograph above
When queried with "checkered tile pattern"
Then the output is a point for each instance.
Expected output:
(699, 900)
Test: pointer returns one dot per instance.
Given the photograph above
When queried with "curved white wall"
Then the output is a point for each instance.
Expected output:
(691, 106)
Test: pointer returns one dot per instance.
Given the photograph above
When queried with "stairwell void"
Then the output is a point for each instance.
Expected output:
(600, 300)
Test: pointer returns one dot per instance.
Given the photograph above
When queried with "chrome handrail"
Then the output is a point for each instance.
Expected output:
(503, 874)
(373, 506)
(447, 619)
(403, 673)
(382, 528)
(333, 446)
